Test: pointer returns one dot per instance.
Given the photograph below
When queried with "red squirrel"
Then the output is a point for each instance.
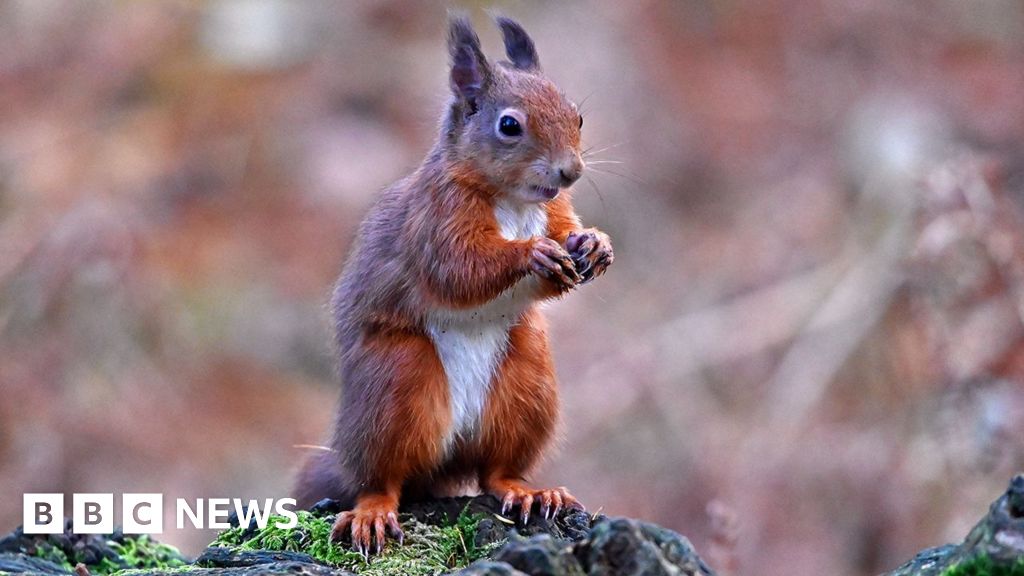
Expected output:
(444, 357)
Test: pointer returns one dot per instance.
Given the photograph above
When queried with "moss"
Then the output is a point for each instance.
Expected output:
(144, 552)
(984, 566)
(427, 549)
(140, 552)
(48, 551)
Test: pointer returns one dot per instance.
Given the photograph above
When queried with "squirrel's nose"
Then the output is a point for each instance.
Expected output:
(570, 168)
(568, 177)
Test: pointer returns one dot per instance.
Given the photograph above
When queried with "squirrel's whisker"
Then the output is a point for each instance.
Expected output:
(590, 151)
(600, 196)
(583, 102)
(631, 177)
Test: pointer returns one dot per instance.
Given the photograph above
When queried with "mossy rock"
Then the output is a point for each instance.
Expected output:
(985, 566)
(100, 553)
(465, 536)
(994, 547)
(468, 537)
(445, 542)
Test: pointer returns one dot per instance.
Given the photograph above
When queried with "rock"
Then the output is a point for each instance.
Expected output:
(489, 532)
(929, 562)
(489, 568)
(994, 546)
(540, 555)
(216, 556)
(14, 563)
(576, 524)
(460, 530)
(113, 551)
(571, 544)
(624, 547)
(326, 507)
(283, 568)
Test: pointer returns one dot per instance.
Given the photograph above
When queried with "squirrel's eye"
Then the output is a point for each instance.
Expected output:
(509, 126)
(581, 121)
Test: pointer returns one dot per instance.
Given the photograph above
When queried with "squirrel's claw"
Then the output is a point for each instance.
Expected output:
(525, 506)
(557, 497)
(378, 534)
(546, 500)
(395, 527)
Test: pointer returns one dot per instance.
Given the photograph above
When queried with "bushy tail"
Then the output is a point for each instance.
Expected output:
(321, 477)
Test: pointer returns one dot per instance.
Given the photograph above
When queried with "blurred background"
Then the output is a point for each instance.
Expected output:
(808, 356)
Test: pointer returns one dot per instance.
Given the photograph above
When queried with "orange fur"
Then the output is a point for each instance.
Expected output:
(468, 262)
(562, 218)
(523, 405)
(413, 416)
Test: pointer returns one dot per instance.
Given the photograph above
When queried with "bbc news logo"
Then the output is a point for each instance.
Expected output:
(144, 513)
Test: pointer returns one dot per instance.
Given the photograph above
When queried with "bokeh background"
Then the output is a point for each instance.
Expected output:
(808, 356)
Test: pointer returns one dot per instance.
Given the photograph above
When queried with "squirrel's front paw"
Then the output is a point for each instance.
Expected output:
(551, 262)
(591, 252)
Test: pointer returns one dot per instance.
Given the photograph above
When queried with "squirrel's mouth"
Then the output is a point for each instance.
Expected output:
(546, 192)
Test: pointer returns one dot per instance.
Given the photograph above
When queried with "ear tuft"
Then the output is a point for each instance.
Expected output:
(470, 72)
(518, 45)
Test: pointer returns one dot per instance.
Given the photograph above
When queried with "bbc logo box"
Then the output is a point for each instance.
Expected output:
(92, 513)
(43, 514)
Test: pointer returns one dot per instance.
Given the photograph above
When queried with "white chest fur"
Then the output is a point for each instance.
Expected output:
(471, 342)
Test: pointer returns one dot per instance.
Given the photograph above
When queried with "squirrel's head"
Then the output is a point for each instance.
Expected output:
(515, 126)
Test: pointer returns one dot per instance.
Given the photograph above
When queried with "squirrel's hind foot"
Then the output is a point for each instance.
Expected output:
(371, 519)
(549, 501)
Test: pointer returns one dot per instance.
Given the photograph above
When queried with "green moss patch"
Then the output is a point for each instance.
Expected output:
(51, 553)
(117, 556)
(985, 566)
(428, 549)
(145, 553)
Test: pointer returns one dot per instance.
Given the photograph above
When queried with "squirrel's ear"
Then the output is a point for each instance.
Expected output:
(470, 71)
(518, 44)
